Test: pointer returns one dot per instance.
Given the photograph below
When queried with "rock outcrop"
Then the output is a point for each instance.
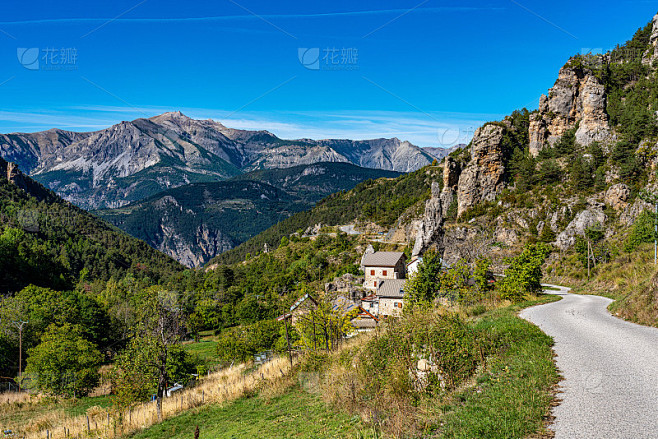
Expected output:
(451, 171)
(617, 196)
(652, 54)
(578, 97)
(483, 177)
(13, 174)
(583, 220)
(430, 229)
(632, 211)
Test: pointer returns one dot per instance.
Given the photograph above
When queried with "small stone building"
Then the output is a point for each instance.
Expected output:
(380, 266)
(391, 297)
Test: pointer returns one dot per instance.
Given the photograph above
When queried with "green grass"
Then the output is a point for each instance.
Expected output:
(206, 350)
(80, 406)
(512, 396)
(295, 414)
(509, 398)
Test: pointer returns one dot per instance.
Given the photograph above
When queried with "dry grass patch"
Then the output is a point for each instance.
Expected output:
(223, 386)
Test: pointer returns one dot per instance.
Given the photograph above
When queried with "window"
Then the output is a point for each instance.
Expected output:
(375, 284)
(372, 272)
(384, 273)
(399, 304)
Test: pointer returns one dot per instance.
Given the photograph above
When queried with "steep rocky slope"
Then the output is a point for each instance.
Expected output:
(133, 160)
(196, 222)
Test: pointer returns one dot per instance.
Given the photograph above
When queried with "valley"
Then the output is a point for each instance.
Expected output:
(171, 276)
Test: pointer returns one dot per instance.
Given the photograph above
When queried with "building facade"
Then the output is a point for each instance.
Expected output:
(380, 266)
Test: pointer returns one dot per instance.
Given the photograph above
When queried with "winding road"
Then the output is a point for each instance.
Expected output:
(610, 369)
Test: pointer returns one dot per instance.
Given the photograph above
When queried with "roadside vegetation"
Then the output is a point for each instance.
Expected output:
(631, 278)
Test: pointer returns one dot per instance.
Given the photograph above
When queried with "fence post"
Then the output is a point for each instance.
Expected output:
(203, 397)
(88, 426)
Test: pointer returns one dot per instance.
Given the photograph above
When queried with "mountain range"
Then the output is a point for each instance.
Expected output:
(131, 161)
(198, 221)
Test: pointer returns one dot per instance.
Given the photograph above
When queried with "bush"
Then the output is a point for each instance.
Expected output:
(641, 232)
(388, 362)
(64, 363)
(524, 274)
(242, 343)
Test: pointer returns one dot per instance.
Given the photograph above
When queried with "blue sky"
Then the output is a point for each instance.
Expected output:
(425, 71)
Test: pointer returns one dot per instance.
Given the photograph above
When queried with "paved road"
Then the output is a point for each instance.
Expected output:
(610, 369)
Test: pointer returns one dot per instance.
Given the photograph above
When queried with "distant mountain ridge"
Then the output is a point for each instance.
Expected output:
(130, 161)
(440, 153)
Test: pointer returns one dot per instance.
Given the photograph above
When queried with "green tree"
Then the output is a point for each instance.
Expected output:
(132, 376)
(567, 143)
(550, 172)
(482, 273)
(641, 232)
(64, 363)
(160, 329)
(322, 327)
(523, 276)
(424, 285)
(242, 343)
(580, 174)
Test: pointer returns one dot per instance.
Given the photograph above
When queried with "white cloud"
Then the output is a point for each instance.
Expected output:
(436, 129)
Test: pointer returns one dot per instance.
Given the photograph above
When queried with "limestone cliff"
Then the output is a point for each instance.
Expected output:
(430, 229)
(483, 177)
(577, 98)
(652, 53)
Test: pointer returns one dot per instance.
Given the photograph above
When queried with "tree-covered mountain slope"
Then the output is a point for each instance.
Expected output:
(316, 181)
(131, 161)
(48, 242)
(199, 221)
(385, 204)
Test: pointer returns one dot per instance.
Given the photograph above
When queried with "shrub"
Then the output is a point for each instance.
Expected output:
(641, 232)
(242, 343)
(523, 276)
(64, 363)
(388, 361)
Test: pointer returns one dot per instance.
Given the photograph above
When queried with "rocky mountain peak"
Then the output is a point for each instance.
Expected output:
(578, 97)
(170, 115)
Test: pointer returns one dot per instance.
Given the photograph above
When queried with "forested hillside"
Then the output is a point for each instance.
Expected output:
(196, 222)
(48, 242)
(380, 202)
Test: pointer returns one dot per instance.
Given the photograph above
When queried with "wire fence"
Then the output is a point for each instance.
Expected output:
(217, 387)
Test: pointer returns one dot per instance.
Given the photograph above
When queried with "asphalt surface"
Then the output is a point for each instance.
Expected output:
(610, 369)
